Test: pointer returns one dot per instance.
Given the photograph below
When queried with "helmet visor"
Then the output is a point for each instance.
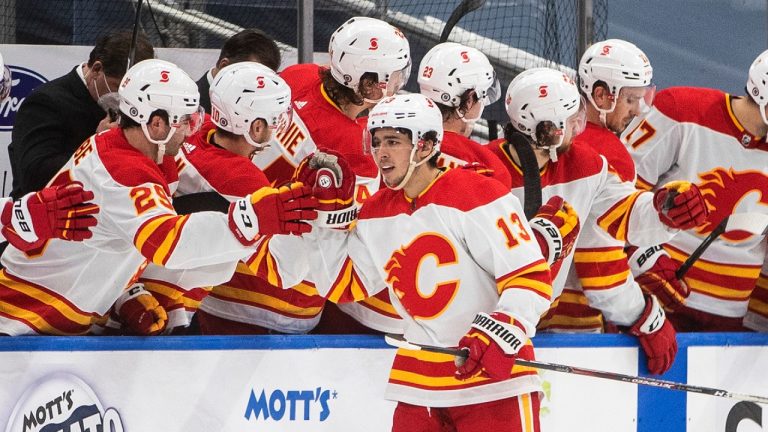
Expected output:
(639, 97)
(192, 122)
(282, 121)
(492, 93)
(398, 79)
(578, 122)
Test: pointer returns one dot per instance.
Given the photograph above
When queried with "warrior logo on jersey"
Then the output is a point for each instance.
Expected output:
(403, 274)
(724, 189)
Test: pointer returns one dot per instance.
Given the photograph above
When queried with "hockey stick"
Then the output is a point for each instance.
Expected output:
(465, 7)
(134, 36)
(753, 223)
(461, 355)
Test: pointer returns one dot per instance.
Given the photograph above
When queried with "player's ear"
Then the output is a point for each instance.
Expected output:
(222, 63)
(602, 96)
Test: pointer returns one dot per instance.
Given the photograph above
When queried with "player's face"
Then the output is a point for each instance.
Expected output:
(392, 154)
(173, 146)
(629, 104)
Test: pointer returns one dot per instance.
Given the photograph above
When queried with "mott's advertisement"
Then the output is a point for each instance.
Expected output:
(262, 390)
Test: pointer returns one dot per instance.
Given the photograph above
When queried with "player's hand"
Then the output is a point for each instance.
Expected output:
(333, 184)
(139, 312)
(492, 344)
(61, 212)
(269, 210)
(680, 205)
(656, 336)
(556, 226)
(479, 168)
(655, 272)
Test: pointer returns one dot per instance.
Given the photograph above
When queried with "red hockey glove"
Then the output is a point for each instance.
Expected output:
(479, 168)
(269, 210)
(138, 310)
(60, 212)
(680, 205)
(333, 184)
(656, 335)
(556, 226)
(493, 343)
(655, 272)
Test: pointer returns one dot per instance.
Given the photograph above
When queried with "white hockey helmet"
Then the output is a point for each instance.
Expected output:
(449, 69)
(618, 64)
(152, 85)
(243, 92)
(413, 112)
(5, 80)
(542, 102)
(363, 45)
(757, 82)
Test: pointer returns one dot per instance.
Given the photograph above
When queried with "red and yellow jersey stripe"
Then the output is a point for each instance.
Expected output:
(534, 277)
(156, 238)
(43, 310)
(616, 220)
(435, 371)
(245, 288)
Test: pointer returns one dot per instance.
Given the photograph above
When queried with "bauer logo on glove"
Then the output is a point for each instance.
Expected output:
(333, 184)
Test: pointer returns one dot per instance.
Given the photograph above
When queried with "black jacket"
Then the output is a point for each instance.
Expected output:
(50, 125)
(204, 87)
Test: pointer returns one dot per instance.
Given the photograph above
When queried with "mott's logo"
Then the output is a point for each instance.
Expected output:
(23, 81)
(290, 405)
(62, 402)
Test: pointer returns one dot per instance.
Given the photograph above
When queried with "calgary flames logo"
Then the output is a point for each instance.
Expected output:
(724, 189)
(403, 275)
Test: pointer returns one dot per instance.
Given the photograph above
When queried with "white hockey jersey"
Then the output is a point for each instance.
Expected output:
(601, 199)
(64, 287)
(461, 247)
(692, 134)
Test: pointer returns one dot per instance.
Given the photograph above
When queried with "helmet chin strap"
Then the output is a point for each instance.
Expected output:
(161, 143)
(257, 147)
(411, 168)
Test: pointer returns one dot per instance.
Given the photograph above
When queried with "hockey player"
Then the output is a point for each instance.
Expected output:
(250, 104)
(546, 111)
(132, 172)
(370, 59)
(462, 268)
(462, 82)
(615, 78)
(717, 141)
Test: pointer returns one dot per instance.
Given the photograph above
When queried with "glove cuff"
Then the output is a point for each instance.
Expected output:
(243, 221)
(507, 336)
(643, 259)
(547, 231)
(651, 320)
(135, 290)
(336, 218)
(21, 219)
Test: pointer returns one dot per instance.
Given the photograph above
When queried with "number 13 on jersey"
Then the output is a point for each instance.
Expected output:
(513, 230)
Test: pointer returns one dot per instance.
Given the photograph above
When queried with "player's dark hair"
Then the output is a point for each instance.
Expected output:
(127, 122)
(112, 51)
(251, 43)
(448, 111)
(339, 93)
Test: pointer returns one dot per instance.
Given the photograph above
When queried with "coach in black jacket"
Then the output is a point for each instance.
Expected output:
(59, 115)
